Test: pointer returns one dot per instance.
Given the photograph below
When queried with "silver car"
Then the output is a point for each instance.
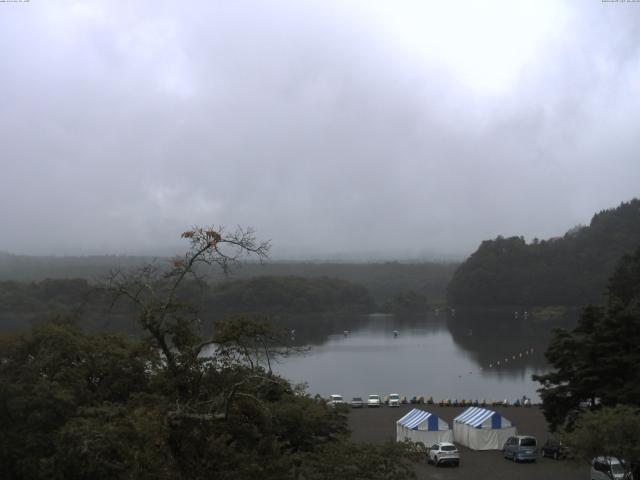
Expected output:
(521, 448)
(443, 453)
(607, 468)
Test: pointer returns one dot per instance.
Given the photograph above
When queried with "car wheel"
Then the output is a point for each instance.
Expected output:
(437, 462)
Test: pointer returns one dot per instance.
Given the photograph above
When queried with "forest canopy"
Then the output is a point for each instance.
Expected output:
(592, 395)
(175, 403)
(22, 304)
(571, 270)
(596, 363)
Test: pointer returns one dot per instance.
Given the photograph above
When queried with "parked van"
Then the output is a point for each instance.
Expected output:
(555, 449)
(608, 468)
(521, 447)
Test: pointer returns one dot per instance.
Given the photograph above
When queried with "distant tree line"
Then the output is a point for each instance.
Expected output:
(383, 280)
(289, 294)
(571, 270)
(24, 303)
(408, 302)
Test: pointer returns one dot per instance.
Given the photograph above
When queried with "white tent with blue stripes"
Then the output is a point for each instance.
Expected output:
(482, 429)
(421, 426)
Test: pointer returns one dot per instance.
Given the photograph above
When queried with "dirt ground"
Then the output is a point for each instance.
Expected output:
(376, 425)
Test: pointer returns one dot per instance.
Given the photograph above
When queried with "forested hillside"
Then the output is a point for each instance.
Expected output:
(383, 280)
(288, 294)
(571, 270)
(22, 303)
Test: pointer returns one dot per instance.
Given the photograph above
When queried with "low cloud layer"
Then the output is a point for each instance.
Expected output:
(336, 129)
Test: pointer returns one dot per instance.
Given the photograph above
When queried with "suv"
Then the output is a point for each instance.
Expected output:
(334, 400)
(608, 468)
(554, 449)
(394, 400)
(356, 402)
(443, 452)
(521, 447)
(374, 401)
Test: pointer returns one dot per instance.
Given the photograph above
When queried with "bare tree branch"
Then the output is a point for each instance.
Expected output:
(154, 291)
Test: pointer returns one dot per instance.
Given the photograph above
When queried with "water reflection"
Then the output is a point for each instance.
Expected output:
(499, 341)
(440, 355)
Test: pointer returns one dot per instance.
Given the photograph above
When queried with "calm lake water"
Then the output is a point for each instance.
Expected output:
(440, 355)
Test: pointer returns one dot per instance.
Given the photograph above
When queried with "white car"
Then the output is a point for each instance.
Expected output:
(394, 400)
(608, 468)
(335, 399)
(443, 452)
(374, 401)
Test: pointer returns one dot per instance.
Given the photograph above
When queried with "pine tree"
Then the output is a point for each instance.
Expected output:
(597, 362)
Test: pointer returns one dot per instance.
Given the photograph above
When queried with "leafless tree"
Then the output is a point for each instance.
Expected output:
(153, 290)
(173, 324)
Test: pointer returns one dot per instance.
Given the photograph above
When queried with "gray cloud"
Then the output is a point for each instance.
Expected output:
(331, 127)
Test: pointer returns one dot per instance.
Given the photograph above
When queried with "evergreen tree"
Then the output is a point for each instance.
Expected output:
(597, 362)
(568, 270)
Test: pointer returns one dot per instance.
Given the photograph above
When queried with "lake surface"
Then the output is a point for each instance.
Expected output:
(471, 355)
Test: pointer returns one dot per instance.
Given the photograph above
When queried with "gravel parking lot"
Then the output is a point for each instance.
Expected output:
(375, 425)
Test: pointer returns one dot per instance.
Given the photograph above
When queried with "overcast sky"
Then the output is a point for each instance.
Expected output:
(364, 129)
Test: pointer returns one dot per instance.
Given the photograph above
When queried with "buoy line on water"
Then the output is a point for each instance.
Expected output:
(497, 363)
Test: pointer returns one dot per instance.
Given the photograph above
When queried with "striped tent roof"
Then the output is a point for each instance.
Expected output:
(474, 416)
(414, 418)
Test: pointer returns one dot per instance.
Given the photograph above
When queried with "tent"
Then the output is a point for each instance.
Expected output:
(482, 429)
(421, 426)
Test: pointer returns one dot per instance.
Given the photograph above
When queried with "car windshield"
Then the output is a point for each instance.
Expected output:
(448, 448)
(373, 397)
(357, 399)
(336, 397)
(528, 442)
(616, 468)
(393, 396)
